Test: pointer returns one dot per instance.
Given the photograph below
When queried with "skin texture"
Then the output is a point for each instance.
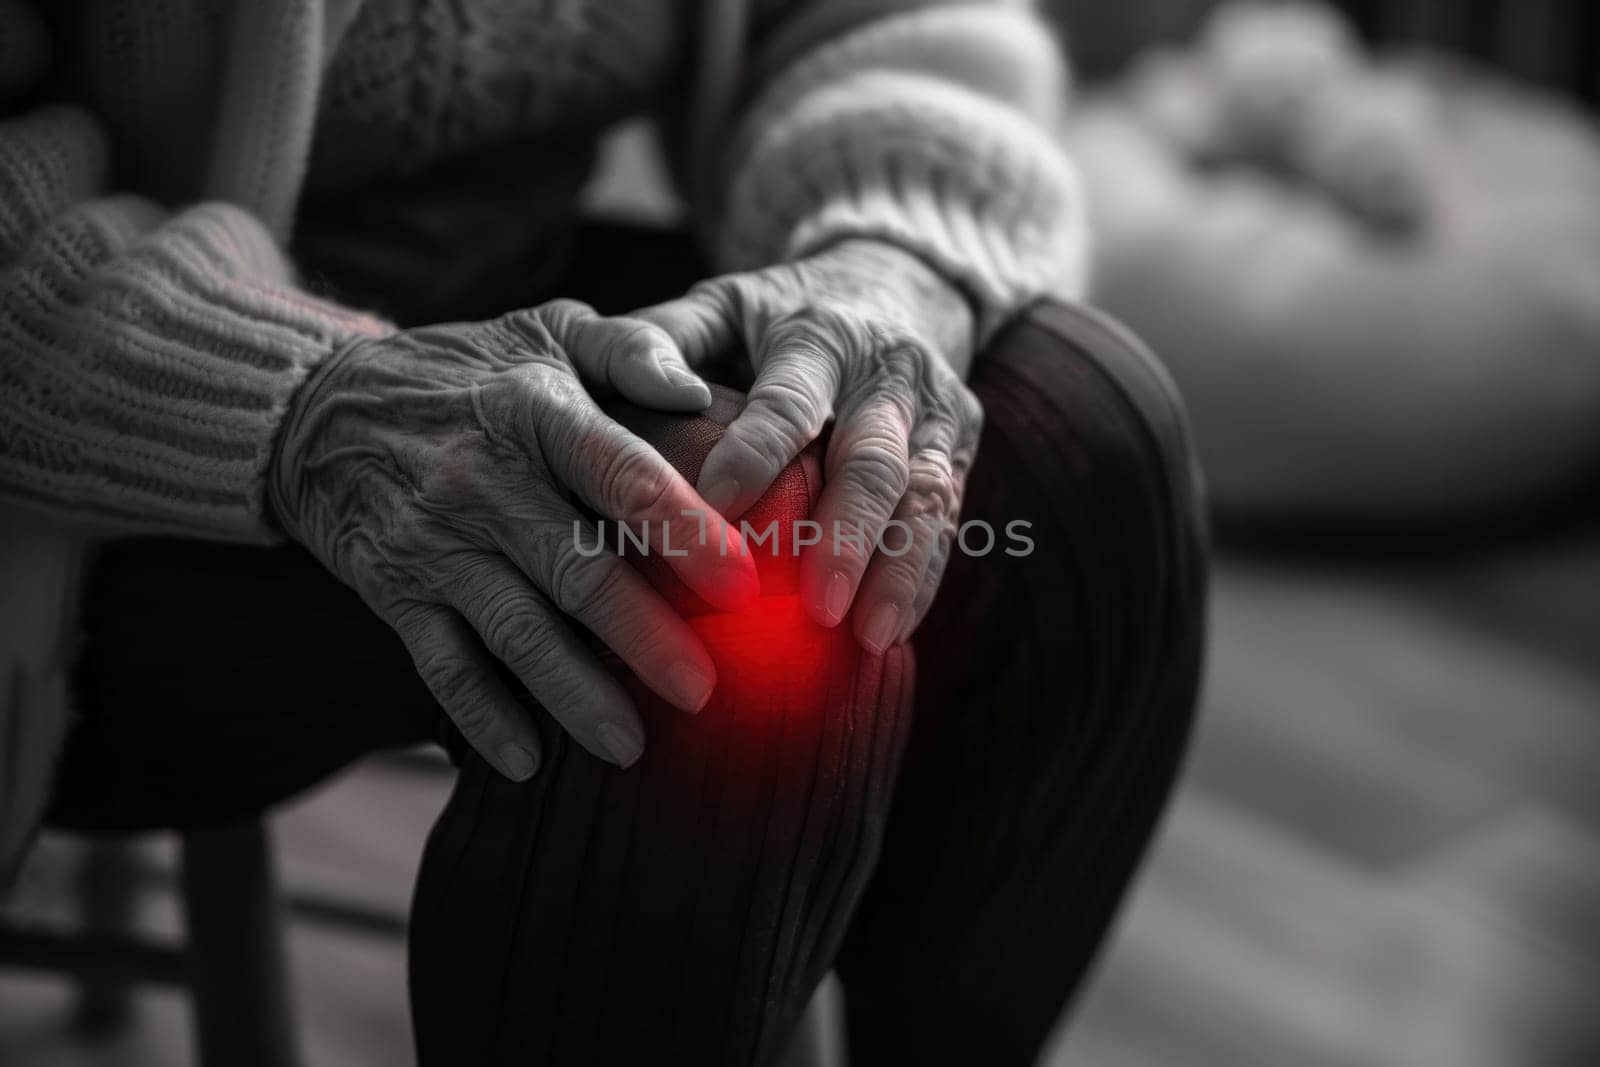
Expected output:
(1381, 300)
(438, 472)
(873, 339)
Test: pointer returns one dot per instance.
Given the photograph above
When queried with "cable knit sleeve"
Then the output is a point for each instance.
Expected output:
(932, 127)
(146, 357)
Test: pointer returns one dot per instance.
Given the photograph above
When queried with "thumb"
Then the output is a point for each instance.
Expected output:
(635, 358)
(703, 323)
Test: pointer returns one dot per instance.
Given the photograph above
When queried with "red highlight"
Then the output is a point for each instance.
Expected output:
(774, 656)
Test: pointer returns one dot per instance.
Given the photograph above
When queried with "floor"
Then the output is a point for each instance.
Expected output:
(1385, 852)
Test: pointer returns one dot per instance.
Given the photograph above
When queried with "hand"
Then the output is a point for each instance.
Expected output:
(1336, 366)
(871, 337)
(433, 470)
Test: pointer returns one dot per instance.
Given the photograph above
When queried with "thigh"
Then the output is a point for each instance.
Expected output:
(218, 680)
(1055, 691)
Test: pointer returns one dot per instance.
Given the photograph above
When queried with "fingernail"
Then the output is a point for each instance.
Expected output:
(835, 597)
(882, 627)
(721, 493)
(519, 763)
(621, 742)
(678, 376)
(691, 687)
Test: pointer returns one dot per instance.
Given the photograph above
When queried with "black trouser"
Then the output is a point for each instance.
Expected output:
(957, 858)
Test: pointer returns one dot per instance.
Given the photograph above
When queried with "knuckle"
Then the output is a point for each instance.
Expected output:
(717, 297)
(622, 341)
(820, 334)
(533, 649)
(565, 309)
(782, 410)
(635, 482)
(878, 465)
(548, 403)
(561, 320)
(902, 361)
(558, 685)
(471, 715)
(898, 575)
(709, 290)
(545, 381)
(451, 680)
(934, 492)
(509, 622)
(582, 584)
(969, 411)
(522, 328)
(452, 575)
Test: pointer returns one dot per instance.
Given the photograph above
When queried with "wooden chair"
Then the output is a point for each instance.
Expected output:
(232, 961)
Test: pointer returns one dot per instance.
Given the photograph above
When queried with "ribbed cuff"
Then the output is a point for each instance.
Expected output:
(155, 402)
(964, 182)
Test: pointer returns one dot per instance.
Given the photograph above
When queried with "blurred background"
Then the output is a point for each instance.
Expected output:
(1366, 241)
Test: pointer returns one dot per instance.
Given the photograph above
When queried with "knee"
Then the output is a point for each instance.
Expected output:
(1082, 422)
(1078, 397)
(1086, 441)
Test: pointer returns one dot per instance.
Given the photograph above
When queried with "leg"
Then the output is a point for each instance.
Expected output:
(234, 915)
(106, 893)
(684, 910)
(1055, 696)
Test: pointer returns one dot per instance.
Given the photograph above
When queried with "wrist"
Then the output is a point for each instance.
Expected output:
(934, 303)
(300, 416)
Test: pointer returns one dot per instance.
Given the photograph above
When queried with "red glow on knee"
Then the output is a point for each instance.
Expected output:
(774, 655)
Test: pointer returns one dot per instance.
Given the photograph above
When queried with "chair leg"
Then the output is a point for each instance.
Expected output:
(239, 975)
(108, 895)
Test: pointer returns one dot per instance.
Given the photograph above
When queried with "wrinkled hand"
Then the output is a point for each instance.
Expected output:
(871, 337)
(434, 471)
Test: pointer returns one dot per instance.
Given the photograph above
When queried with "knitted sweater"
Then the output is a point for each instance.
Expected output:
(153, 152)
(151, 344)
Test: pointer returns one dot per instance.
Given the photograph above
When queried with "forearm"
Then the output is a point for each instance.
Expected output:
(930, 128)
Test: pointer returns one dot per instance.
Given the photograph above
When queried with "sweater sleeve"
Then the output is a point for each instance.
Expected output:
(146, 357)
(931, 126)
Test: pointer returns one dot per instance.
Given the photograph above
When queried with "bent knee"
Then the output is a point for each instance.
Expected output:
(1082, 421)
(1086, 450)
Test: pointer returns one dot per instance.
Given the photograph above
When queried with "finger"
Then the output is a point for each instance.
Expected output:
(867, 474)
(623, 479)
(702, 323)
(787, 406)
(905, 572)
(634, 357)
(612, 600)
(463, 680)
(942, 540)
(522, 631)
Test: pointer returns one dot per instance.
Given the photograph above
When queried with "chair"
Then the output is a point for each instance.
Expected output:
(232, 961)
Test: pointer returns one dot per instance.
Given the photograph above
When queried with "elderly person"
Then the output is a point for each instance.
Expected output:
(229, 236)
